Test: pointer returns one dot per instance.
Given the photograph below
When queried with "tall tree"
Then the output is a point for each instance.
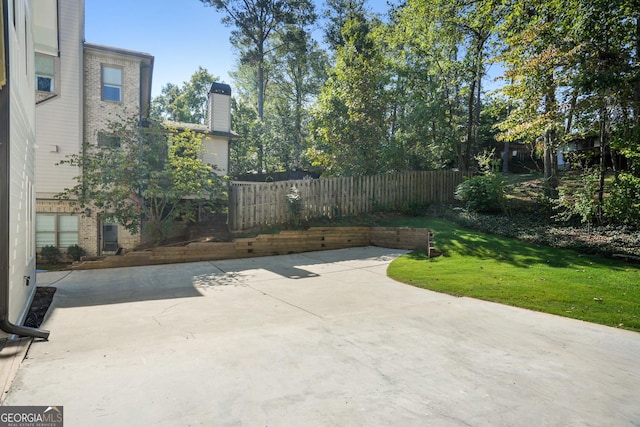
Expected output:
(606, 70)
(243, 153)
(351, 120)
(469, 24)
(298, 72)
(537, 58)
(439, 51)
(256, 23)
(187, 103)
(336, 14)
(477, 20)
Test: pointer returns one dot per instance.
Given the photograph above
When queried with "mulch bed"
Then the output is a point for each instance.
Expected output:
(39, 306)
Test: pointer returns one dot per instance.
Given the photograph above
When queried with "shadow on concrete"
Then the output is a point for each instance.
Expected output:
(189, 280)
(292, 272)
(123, 285)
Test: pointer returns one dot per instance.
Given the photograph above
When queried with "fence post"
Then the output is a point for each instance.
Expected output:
(431, 245)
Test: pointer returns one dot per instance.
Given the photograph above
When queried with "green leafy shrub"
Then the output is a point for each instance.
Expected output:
(75, 252)
(50, 255)
(294, 200)
(580, 200)
(622, 205)
(583, 159)
(483, 193)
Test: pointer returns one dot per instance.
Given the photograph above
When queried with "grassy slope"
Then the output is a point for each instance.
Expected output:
(511, 272)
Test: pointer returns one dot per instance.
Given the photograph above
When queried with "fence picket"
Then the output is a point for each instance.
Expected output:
(255, 204)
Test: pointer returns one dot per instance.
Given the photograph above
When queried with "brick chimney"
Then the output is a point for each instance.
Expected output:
(220, 107)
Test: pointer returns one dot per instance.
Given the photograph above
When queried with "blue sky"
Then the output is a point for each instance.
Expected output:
(180, 34)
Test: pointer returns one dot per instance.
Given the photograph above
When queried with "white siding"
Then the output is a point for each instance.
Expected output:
(59, 121)
(21, 143)
(220, 112)
(216, 153)
(45, 27)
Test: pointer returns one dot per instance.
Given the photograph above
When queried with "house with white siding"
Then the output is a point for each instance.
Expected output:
(18, 31)
(59, 118)
(216, 133)
(80, 89)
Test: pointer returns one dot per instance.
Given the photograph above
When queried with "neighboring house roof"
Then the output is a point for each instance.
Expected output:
(201, 129)
(146, 70)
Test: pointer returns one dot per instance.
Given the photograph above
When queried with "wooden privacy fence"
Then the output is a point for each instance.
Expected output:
(254, 204)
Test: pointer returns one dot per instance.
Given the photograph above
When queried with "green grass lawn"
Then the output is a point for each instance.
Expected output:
(512, 272)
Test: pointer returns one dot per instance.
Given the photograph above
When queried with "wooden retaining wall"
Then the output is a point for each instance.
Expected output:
(259, 204)
(286, 242)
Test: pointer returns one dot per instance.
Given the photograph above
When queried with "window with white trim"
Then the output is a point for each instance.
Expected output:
(60, 230)
(111, 83)
(45, 73)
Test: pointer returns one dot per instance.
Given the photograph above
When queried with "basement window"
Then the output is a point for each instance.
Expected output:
(107, 140)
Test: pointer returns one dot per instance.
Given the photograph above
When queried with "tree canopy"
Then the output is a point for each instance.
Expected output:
(187, 103)
(408, 90)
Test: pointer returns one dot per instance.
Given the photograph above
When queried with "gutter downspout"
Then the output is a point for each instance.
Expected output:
(5, 175)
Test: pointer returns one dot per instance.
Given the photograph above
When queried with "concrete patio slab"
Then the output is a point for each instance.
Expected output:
(322, 338)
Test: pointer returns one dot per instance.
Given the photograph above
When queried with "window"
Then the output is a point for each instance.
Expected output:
(58, 230)
(106, 140)
(111, 83)
(45, 73)
(45, 230)
(67, 230)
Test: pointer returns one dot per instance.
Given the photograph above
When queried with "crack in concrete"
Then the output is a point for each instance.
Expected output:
(286, 302)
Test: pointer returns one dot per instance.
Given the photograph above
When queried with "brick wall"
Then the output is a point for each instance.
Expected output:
(88, 234)
(99, 113)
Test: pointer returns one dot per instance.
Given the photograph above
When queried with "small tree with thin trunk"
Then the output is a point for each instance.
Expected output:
(146, 176)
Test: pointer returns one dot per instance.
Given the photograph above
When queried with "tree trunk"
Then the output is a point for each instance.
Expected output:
(506, 157)
(603, 153)
(261, 162)
(507, 145)
(479, 72)
(550, 167)
(636, 97)
(550, 164)
(470, 119)
(572, 108)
